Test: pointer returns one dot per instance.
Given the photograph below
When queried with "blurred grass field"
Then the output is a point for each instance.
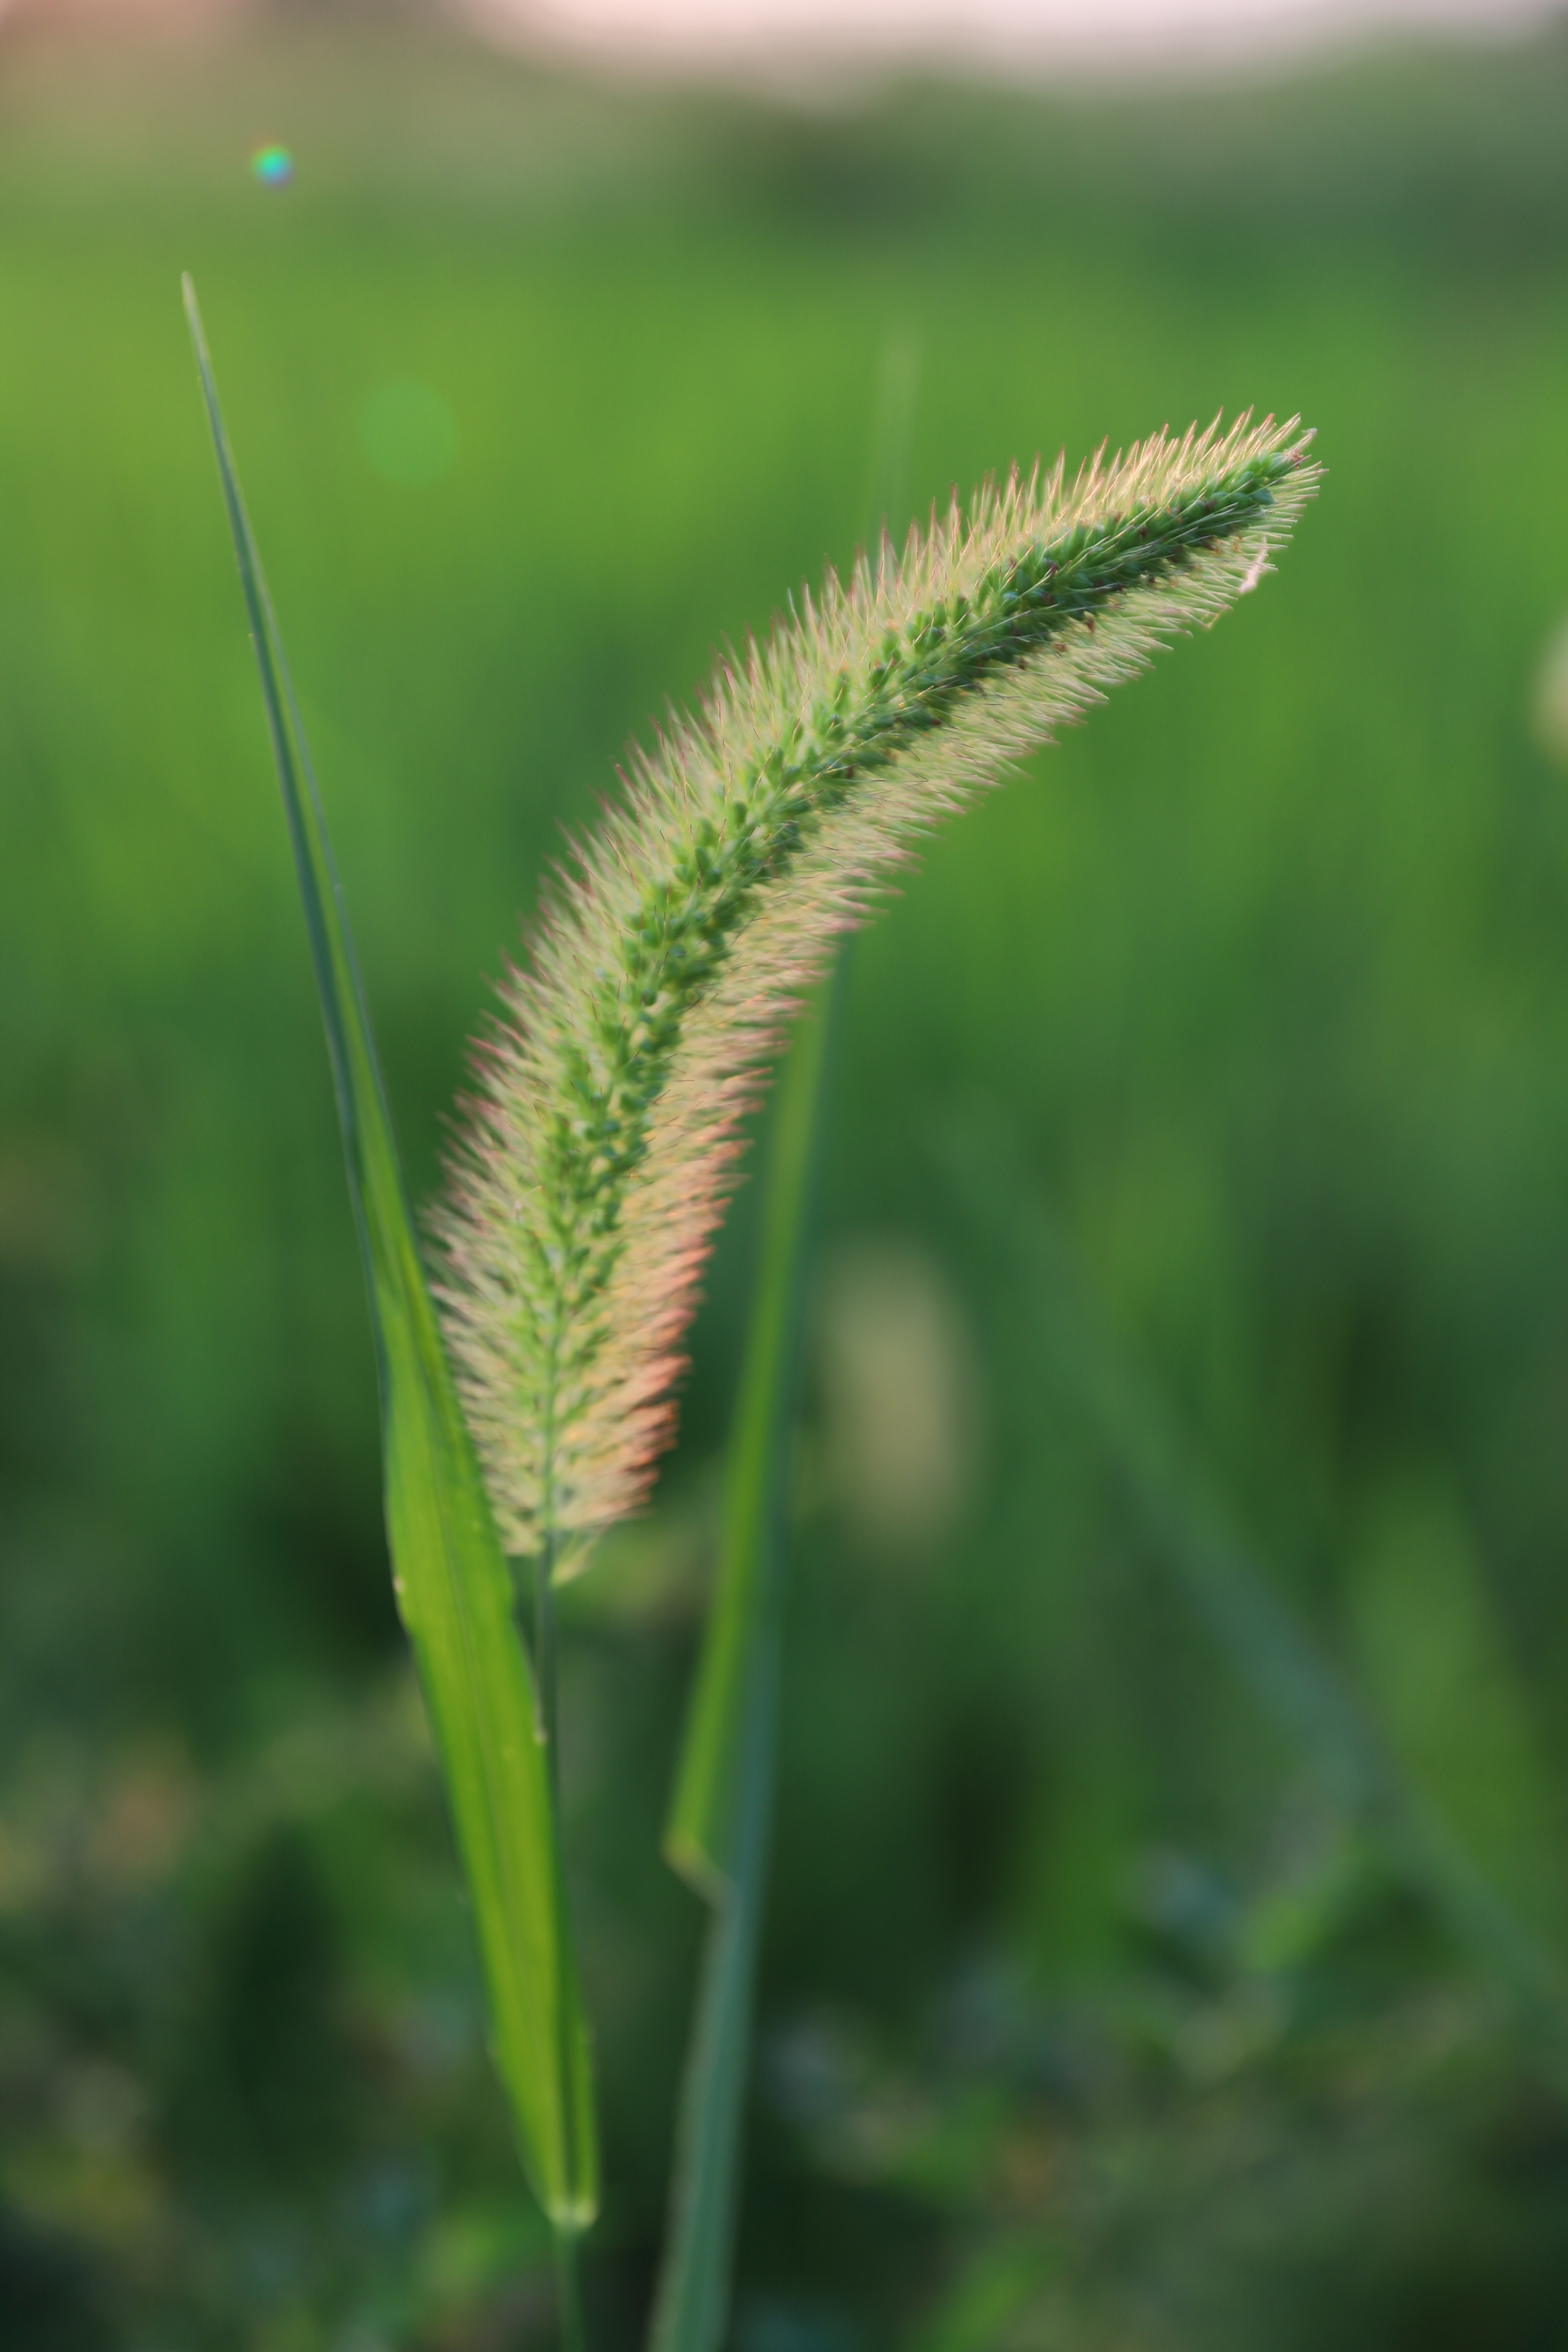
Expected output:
(1094, 2013)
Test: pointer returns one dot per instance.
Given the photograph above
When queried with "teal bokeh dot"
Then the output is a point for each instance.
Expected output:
(273, 166)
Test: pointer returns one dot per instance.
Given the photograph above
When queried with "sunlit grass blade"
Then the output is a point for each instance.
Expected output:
(1274, 1655)
(454, 1589)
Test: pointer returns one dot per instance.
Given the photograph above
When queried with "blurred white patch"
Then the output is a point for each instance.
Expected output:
(1043, 38)
(1255, 570)
(901, 1395)
(1550, 696)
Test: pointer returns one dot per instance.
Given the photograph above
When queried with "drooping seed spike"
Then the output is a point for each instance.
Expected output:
(601, 1143)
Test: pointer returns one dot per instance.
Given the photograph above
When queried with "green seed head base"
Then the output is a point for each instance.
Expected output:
(601, 1145)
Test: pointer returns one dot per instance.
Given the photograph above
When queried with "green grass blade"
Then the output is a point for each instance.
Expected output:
(454, 1589)
(1274, 1656)
(691, 2305)
(705, 1823)
(718, 1831)
(719, 1823)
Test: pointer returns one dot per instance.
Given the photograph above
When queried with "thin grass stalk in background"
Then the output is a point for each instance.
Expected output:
(703, 1815)
(720, 1826)
(453, 1590)
(704, 1829)
(719, 1835)
(1240, 1608)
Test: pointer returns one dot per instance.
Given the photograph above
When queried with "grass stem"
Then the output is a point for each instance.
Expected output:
(722, 1821)
(568, 2290)
(545, 1673)
(546, 1678)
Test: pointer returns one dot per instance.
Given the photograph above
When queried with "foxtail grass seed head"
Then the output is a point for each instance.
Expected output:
(600, 1144)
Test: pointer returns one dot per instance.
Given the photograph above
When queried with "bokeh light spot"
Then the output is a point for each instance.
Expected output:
(408, 434)
(1552, 696)
(272, 166)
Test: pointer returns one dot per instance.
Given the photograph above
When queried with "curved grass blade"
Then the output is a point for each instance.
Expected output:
(454, 1589)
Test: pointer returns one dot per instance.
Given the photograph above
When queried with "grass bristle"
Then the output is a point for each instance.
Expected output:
(601, 1145)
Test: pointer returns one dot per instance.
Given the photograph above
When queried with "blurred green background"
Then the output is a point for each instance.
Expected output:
(1193, 1284)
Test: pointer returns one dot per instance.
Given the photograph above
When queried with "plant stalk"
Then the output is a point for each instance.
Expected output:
(720, 1828)
(691, 2304)
(568, 2290)
(544, 1667)
(565, 2234)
